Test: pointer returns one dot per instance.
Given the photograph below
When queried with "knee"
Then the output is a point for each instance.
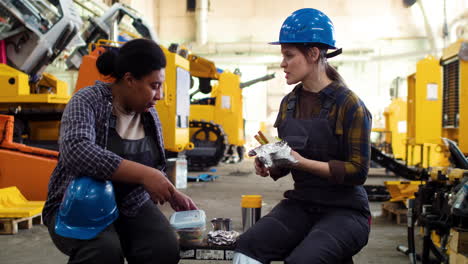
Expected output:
(318, 248)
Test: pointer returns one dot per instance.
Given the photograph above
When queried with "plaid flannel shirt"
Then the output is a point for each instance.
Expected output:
(82, 147)
(353, 123)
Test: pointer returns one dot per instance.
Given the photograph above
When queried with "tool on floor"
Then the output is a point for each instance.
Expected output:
(204, 177)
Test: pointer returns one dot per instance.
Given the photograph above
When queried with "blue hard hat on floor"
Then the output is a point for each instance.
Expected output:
(87, 208)
(307, 25)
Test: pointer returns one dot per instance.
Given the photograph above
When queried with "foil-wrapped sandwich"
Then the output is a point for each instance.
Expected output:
(222, 237)
(277, 154)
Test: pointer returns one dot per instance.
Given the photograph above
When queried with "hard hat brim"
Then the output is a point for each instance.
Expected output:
(83, 233)
(274, 43)
(295, 42)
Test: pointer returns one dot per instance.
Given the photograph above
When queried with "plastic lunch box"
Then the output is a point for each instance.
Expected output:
(189, 225)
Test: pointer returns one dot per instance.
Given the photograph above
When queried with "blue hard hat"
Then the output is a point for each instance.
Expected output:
(307, 25)
(87, 208)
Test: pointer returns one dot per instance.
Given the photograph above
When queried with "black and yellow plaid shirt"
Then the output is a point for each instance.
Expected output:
(353, 123)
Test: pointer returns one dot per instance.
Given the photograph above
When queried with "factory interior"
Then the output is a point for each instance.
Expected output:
(244, 132)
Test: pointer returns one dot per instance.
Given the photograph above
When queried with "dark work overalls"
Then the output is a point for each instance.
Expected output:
(319, 222)
(146, 238)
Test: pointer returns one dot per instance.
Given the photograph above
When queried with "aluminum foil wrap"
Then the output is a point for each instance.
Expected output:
(276, 154)
(222, 238)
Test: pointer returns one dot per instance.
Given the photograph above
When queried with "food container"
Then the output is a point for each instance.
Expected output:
(190, 226)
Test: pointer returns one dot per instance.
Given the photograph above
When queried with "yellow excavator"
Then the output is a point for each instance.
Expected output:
(216, 121)
(34, 34)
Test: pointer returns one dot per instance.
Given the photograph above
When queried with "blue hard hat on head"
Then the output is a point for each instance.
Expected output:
(87, 208)
(307, 25)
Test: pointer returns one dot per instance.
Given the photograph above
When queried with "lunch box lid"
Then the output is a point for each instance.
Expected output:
(188, 219)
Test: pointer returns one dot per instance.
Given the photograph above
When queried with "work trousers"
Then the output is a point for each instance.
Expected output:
(146, 238)
(299, 233)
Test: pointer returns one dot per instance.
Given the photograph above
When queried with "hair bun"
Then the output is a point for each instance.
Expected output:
(106, 63)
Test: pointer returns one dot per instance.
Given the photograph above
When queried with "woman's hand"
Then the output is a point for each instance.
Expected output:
(260, 168)
(181, 202)
(159, 187)
(298, 157)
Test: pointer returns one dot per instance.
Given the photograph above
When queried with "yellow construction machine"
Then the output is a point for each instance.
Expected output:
(32, 35)
(173, 109)
(424, 147)
(413, 126)
(436, 145)
(216, 121)
(435, 108)
(454, 62)
(426, 117)
(102, 33)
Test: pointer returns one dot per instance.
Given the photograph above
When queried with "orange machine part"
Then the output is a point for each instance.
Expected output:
(27, 168)
(88, 73)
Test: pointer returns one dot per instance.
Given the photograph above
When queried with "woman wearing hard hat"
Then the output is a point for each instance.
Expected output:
(326, 217)
(101, 205)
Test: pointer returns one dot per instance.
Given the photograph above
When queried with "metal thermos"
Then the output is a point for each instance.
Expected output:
(251, 210)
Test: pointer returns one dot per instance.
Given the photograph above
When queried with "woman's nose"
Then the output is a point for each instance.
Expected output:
(158, 95)
(283, 64)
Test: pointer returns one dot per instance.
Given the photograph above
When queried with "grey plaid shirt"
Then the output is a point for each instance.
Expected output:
(82, 146)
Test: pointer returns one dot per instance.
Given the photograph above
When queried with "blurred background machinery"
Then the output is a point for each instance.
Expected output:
(436, 145)
(216, 121)
(32, 35)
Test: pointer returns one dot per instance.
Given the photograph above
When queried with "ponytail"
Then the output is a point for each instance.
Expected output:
(331, 72)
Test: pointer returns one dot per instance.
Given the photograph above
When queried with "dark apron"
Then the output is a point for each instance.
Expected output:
(318, 222)
(143, 151)
(315, 139)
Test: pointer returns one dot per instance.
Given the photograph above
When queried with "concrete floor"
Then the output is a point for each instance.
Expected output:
(221, 198)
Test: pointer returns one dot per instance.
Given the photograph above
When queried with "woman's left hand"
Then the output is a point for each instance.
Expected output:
(298, 157)
(181, 202)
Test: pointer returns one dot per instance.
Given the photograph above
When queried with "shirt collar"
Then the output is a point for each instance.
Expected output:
(328, 91)
(105, 88)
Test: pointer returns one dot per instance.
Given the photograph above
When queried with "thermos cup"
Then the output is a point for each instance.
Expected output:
(251, 210)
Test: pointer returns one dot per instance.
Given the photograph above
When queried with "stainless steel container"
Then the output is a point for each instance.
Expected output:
(224, 224)
(249, 217)
(251, 210)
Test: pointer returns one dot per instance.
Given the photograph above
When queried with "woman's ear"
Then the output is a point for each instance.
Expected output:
(128, 78)
(314, 54)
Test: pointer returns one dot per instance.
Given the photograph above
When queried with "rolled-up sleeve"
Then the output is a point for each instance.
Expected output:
(356, 129)
(78, 148)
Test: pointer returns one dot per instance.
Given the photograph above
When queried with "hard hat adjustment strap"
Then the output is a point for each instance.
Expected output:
(334, 53)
